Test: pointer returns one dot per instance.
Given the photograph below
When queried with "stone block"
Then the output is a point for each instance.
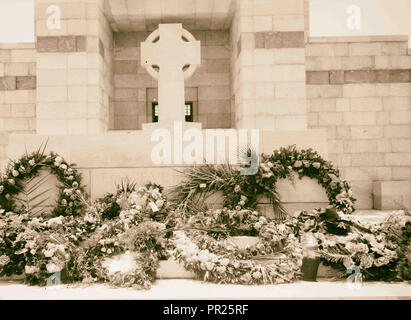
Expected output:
(287, 73)
(77, 60)
(387, 76)
(125, 67)
(342, 105)
(51, 61)
(263, 57)
(383, 118)
(367, 132)
(397, 159)
(329, 118)
(47, 44)
(287, 106)
(5, 111)
(288, 56)
(317, 77)
(67, 44)
(363, 194)
(219, 52)
(365, 49)
(359, 62)
(366, 104)
(401, 145)
(77, 77)
(51, 94)
(81, 43)
(400, 117)
(52, 77)
(290, 90)
(343, 133)
(291, 123)
(247, 24)
(292, 39)
(214, 107)
(319, 50)
(359, 90)
(127, 53)
(360, 146)
(288, 23)
(125, 39)
(359, 118)
(397, 131)
(400, 89)
(259, 40)
(8, 83)
(360, 76)
(217, 66)
(214, 93)
(26, 82)
(14, 69)
(394, 48)
(324, 91)
(77, 26)
(396, 103)
(384, 145)
(23, 110)
(336, 77)
(263, 23)
(264, 90)
(401, 173)
(23, 55)
(390, 195)
(323, 63)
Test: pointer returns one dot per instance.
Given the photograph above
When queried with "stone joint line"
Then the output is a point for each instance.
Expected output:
(358, 76)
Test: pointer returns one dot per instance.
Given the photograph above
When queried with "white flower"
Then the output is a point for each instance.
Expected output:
(11, 181)
(31, 269)
(63, 167)
(225, 261)
(75, 184)
(1, 189)
(52, 268)
(15, 173)
(4, 260)
(59, 159)
(32, 162)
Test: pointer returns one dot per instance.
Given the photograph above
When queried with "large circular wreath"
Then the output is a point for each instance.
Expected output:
(27, 167)
(243, 191)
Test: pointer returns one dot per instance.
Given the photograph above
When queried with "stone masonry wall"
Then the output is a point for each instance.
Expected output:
(268, 82)
(208, 88)
(17, 92)
(359, 89)
(73, 68)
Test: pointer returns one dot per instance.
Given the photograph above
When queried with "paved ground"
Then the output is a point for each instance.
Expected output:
(191, 289)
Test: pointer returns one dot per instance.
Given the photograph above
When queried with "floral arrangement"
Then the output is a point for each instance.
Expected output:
(276, 258)
(71, 191)
(243, 191)
(140, 223)
(344, 242)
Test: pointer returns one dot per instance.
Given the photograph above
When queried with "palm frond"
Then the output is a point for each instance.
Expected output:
(30, 198)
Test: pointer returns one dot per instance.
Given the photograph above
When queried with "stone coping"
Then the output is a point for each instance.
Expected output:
(18, 45)
(374, 38)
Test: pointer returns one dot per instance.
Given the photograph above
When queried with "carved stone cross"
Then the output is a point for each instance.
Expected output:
(170, 54)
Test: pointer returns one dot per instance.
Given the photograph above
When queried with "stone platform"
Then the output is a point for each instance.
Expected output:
(191, 289)
(105, 159)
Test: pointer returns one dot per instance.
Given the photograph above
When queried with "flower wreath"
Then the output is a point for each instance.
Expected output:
(276, 258)
(71, 191)
(242, 191)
